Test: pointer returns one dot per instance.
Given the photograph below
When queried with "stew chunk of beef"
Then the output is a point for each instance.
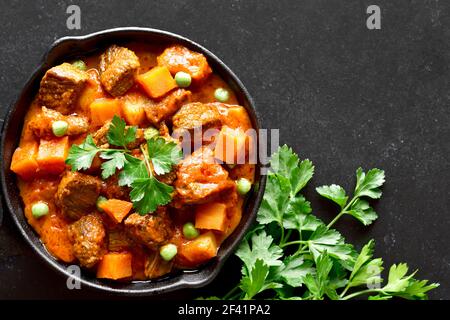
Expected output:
(41, 123)
(152, 230)
(112, 190)
(162, 110)
(118, 67)
(200, 178)
(89, 239)
(61, 86)
(196, 114)
(179, 58)
(77, 194)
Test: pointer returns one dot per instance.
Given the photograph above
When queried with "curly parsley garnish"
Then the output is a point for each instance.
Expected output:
(159, 157)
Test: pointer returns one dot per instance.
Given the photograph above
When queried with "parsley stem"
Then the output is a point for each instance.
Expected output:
(292, 242)
(359, 293)
(287, 236)
(343, 211)
(147, 162)
(230, 293)
(282, 240)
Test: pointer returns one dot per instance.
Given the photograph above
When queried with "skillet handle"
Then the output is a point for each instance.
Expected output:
(2, 125)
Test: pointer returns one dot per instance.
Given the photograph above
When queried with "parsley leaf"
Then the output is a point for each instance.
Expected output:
(80, 156)
(298, 217)
(293, 270)
(366, 271)
(255, 281)
(330, 241)
(120, 136)
(402, 285)
(275, 200)
(335, 193)
(368, 184)
(286, 163)
(133, 169)
(362, 211)
(149, 193)
(259, 246)
(163, 154)
(318, 284)
(282, 202)
(116, 160)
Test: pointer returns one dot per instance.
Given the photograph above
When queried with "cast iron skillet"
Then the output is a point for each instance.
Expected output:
(62, 50)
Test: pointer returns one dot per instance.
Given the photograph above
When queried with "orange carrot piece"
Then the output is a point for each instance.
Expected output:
(231, 145)
(115, 266)
(52, 155)
(24, 162)
(93, 90)
(211, 216)
(133, 108)
(157, 82)
(116, 209)
(201, 249)
(104, 109)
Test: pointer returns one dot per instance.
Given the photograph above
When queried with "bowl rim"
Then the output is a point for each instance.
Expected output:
(186, 279)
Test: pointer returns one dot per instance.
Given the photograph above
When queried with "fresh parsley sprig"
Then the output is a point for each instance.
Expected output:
(367, 186)
(159, 157)
(321, 265)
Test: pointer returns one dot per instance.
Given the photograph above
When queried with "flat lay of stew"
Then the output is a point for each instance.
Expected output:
(109, 169)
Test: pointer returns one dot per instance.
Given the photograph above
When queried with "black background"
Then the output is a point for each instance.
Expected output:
(341, 95)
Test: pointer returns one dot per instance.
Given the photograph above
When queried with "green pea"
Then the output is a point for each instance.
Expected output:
(100, 200)
(150, 133)
(221, 94)
(243, 186)
(189, 231)
(59, 128)
(183, 79)
(80, 65)
(168, 251)
(39, 209)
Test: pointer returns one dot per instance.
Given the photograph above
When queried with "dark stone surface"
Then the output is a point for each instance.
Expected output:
(342, 96)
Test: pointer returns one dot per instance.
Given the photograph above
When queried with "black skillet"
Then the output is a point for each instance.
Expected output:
(62, 50)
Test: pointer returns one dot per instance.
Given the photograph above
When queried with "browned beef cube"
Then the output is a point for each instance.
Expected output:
(178, 58)
(41, 123)
(77, 194)
(89, 239)
(112, 190)
(118, 68)
(164, 109)
(200, 178)
(195, 115)
(61, 86)
(155, 266)
(152, 230)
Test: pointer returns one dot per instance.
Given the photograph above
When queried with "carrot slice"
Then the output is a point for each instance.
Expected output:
(24, 161)
(115, 266)
(212, 216)
(157, 82)
(231, 145)
(201, 249)
(104, 109)
(116, 209)
(52, 155)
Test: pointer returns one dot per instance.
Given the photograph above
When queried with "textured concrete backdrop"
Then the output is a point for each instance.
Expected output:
(343, 96)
